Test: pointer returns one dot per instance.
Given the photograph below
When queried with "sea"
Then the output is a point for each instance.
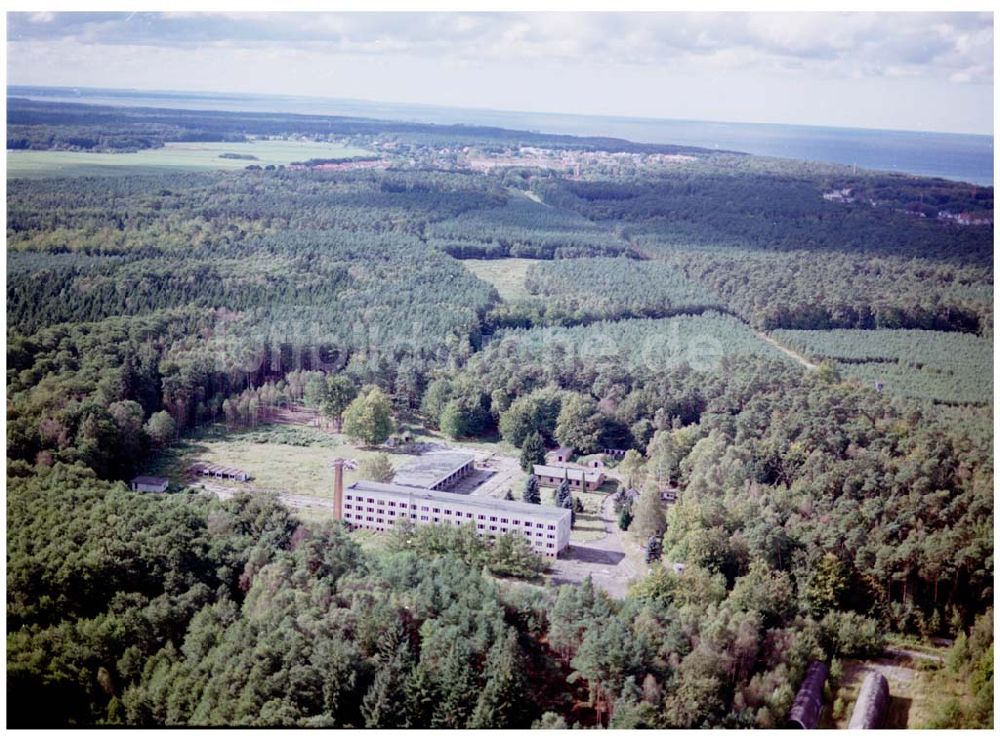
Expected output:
(959, 157)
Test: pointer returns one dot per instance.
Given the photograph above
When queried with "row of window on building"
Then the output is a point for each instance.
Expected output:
(383, 514)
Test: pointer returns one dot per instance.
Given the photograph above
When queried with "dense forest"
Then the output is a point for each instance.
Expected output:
(817, 511)
(577, 291)
(952, 368)
(771, 289)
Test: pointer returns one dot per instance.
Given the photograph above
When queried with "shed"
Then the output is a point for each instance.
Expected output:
(562, 454)
(148, 484)
(808, 703)
(594, 461)
(873, 701)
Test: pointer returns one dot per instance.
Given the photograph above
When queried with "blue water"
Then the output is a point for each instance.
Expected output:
(961, 157)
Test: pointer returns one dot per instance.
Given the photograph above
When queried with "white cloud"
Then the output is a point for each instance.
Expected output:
(716, 61)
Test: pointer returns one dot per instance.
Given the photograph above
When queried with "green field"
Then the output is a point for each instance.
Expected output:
(173, 157)
(279, 467)
(506, 274)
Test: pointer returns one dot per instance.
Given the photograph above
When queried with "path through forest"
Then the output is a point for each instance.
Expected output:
(785, 350)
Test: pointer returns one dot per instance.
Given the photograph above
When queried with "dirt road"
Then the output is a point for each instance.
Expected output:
(786, 350)
(605, 560)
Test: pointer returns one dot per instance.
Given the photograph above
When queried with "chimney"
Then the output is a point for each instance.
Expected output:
(338, 484)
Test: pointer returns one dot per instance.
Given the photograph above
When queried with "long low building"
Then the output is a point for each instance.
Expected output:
(378, 506)
(579, 478)
(206, 469)
(436, 470)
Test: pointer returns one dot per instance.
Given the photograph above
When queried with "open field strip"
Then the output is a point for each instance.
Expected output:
(506, 274)
(174, 156)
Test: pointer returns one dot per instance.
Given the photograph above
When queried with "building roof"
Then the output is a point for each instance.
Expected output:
(150, 480)
(563, 451)
(430, 470)
(550, 470)
(367, 487)
(218, 470)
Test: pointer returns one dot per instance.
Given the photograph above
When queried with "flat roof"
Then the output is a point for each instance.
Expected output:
(550, 470)
(429, 469)
(217, 469)
(150, 480)
(368, 487)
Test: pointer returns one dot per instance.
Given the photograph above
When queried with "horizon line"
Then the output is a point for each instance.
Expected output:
(453, 107)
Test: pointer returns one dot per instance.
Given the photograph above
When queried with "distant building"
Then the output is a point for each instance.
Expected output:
(205, 469)
(578, 477)
(967, 219)
(378, 506)
(436, 470)
(668, 495)
(147, 484)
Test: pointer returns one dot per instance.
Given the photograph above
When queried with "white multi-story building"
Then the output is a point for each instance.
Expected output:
(378, 506)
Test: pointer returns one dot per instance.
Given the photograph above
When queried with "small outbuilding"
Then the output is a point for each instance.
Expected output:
(668, 495)
(563, 454)
(594, 461)
(148, 484)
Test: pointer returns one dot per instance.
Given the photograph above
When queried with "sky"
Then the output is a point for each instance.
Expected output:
(916, 71)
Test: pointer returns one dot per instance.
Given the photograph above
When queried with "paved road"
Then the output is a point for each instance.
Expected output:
(604, 559)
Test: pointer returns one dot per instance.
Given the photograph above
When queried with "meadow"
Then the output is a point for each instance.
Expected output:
(172, 157)
(506, 274)
(295, 469)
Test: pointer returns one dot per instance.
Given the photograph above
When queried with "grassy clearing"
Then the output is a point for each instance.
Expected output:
(589, 525)
(174, 156)
(281, 467)
(506, 274)
(919, 686)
